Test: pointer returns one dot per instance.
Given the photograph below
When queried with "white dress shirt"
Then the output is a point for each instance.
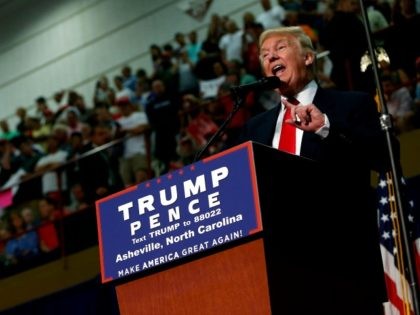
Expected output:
(305, 97)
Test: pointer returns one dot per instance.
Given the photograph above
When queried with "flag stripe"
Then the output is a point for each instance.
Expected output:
(394, 283)
(394, 261)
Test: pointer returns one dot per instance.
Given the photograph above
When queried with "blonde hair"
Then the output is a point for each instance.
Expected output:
(294, 31)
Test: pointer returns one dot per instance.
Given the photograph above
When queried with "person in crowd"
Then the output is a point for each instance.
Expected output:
(162, 114)
(39, 132)
(167, 71)
(6, 133)
(24, 244)
(217, 75)
(230, 43)
(272, 16)
(54, 181)
(135, 161)
(345, 37)
(250, 52)
(122, 93)
(24, 167)
(5, 234)
(196, 125)
(43, 112)
(180, 44)
(99, 174)
(377, 20)
(60, 132)
(60, 115)
(193, 47)
(49, 213)
(103, 93)
(73, 123)
(21, 126)
(400, 104)
(129, 79)
(7, 154)
(29, 217)
(103, 115)
(74, 153)
(141, 95)
(77, 200)
(291, 5)
(417, 83)
(340, 131)
(188, 82)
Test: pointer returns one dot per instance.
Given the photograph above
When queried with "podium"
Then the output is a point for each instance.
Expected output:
(259, 273)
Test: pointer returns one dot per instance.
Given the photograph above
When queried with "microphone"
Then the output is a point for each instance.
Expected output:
(266, 83)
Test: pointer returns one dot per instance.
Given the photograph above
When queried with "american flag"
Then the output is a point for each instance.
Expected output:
(400, 298)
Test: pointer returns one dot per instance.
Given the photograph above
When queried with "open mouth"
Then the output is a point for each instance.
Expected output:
(277, 68)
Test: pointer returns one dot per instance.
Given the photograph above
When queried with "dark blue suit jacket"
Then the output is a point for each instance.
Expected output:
(355, 130)
(356, 144)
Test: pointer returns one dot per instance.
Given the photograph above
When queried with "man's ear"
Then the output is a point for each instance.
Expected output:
(309, 58)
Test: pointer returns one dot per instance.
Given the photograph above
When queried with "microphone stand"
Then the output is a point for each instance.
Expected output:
(238, 97)
(386, 125)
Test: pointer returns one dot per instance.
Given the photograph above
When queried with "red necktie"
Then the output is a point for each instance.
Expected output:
(287, 141)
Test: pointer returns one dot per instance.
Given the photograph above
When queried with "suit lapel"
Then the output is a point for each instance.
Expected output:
(268, 126)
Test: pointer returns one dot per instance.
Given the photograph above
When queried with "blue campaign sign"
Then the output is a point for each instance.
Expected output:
(190, 210)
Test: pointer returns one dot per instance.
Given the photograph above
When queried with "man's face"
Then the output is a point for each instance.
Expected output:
(282, 56)
(101, 135)
(26, 148)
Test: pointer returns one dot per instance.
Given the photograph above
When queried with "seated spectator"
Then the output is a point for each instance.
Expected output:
(24, 244)
(28, 215)
(5, 235)
(77, 200)
(47, 232)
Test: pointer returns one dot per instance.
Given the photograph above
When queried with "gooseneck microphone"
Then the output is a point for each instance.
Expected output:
(266, 83)
(238, 93)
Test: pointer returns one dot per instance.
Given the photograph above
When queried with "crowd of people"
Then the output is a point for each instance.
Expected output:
(140, 125)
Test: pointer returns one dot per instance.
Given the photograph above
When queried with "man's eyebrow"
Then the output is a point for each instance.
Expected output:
(283, 40)
(280, 41)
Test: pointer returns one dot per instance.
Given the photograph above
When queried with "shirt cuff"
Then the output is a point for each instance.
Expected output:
(324, 131)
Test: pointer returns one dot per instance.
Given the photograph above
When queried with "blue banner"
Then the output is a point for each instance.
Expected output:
(187, 211)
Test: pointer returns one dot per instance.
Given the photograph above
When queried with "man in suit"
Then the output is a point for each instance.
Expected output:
(332, 265)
